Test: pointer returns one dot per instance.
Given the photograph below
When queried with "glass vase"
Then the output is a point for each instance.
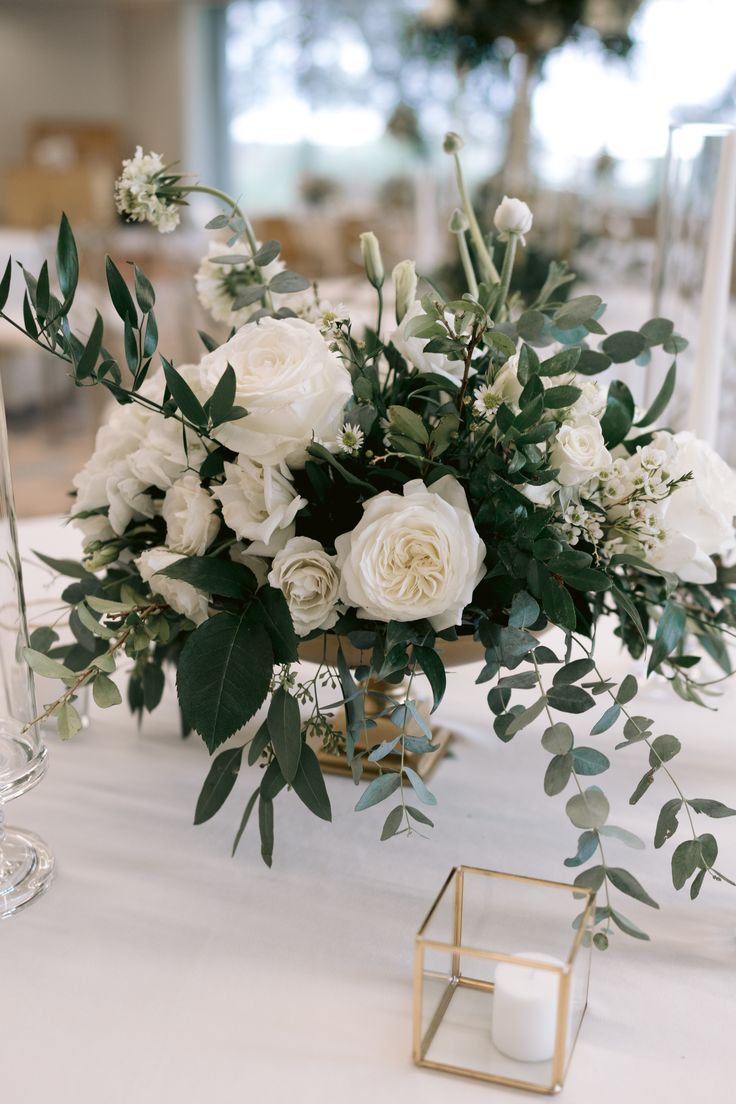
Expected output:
(26, 864)
(693, 173)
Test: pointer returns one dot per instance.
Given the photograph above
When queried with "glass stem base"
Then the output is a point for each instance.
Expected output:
(26, 868)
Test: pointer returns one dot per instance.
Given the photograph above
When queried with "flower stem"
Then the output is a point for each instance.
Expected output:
(506, 270)
(467, 263)
(489, 272)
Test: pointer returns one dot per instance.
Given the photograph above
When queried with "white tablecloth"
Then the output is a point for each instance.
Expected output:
(158, 969)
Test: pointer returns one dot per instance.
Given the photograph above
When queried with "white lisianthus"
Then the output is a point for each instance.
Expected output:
(370, 251)
(412, 556)
(412, 349)
(190, 513)
(292, 384)
(136, 192)
(513, 216)
(579, 451)
(219, 285)
(405, 287)
(308, 578)
(698, 517)
(259, 504)
(181, 596)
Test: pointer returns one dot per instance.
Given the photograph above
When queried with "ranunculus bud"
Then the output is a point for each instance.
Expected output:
(513, 216)
(453, 142)
(372, 260)
(405, 287)
(458, 222)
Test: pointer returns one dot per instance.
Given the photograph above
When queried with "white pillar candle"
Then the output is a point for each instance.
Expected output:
(525, 1004)
(712, 330)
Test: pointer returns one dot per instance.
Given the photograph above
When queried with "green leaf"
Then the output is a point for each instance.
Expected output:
(587, 846)
(590, 761)
(591, 363)
(524, 610)
(626, 605)
(685, 861)
(557, 775)
(623, 835)
(309, 785)
(558, 605)
(561, 363)
(285, 283)
(657, 330)
(183, 396)
(592, 878)
(409, 424)
(278, 623)
(321, 453)
(588, 809)
(619, 414)
(556, 398)
(70, 568)
(667, 822)
(212, 576)
(392, 823)
(663, 749)
(268, 252)
(43, 638)
(434, 669)
(662, 399)
(68, 720)
(91, 623)
(67, 261)
(273, 781)
(425, 795)
(697, 883)
(285, 728)
(5, 283)
(86, 363)
(418, 815)
(575, 312)
(218, 784)
(144, 292)
(245, 818)
(569, 699)
(628, 690)
(223, 397)
(624, 346)
(258, 744)
(588, 579)
(47, 668)
(526, 717)
(105, 692)
(627, 926)
(670, 631)
(600, 941)
(378, 790)
(573, 672)
(558, 739)
(153, 686)
(608, 719)
(224, 674)
(119, 293)
(530, 325)
(711, 808)
(265, 825)
(627, 883)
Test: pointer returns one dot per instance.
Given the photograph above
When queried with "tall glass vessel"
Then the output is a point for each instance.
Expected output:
(26, 864)
(688, 196)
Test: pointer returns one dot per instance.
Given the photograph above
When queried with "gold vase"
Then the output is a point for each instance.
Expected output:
(455, 653)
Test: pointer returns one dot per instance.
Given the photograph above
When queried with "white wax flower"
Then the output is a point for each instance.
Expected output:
(219, 285)
(182, 597)
(513, 216)
(135, 192)
(190, 513)
(259, 504)
(405, 287)
(292, 384)
(308, 579)
(412, 556)
(579, 451)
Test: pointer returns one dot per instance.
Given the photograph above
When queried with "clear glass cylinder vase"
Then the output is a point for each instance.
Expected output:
(26, 864)
(692, 188)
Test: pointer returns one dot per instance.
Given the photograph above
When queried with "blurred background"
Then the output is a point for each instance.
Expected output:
(326, 118)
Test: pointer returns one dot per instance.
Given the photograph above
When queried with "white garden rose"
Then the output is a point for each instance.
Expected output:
(182, 597)
(190, 513)
(412, 556)
(308, 578)
(579, 451)
(259, 504)
(513, 216)
(292, 384)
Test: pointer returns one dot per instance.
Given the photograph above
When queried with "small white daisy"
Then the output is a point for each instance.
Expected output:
(487, 402)
(350, 439)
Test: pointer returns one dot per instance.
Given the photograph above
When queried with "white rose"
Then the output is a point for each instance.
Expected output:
(513, 216)
(412, 349)
(412, 556)
(182, 597)
(579, 451)
(189, 511)
(308, 579)
(259, 504)
(290, 382)
(592, 399)
(681, 555)
(256, 564)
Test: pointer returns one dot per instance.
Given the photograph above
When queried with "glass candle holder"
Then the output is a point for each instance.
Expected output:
(501, 978)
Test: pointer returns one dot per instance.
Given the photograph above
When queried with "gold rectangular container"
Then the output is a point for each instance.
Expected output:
(481, 919)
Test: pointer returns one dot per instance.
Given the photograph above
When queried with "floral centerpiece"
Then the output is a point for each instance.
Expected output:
(461, 473)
